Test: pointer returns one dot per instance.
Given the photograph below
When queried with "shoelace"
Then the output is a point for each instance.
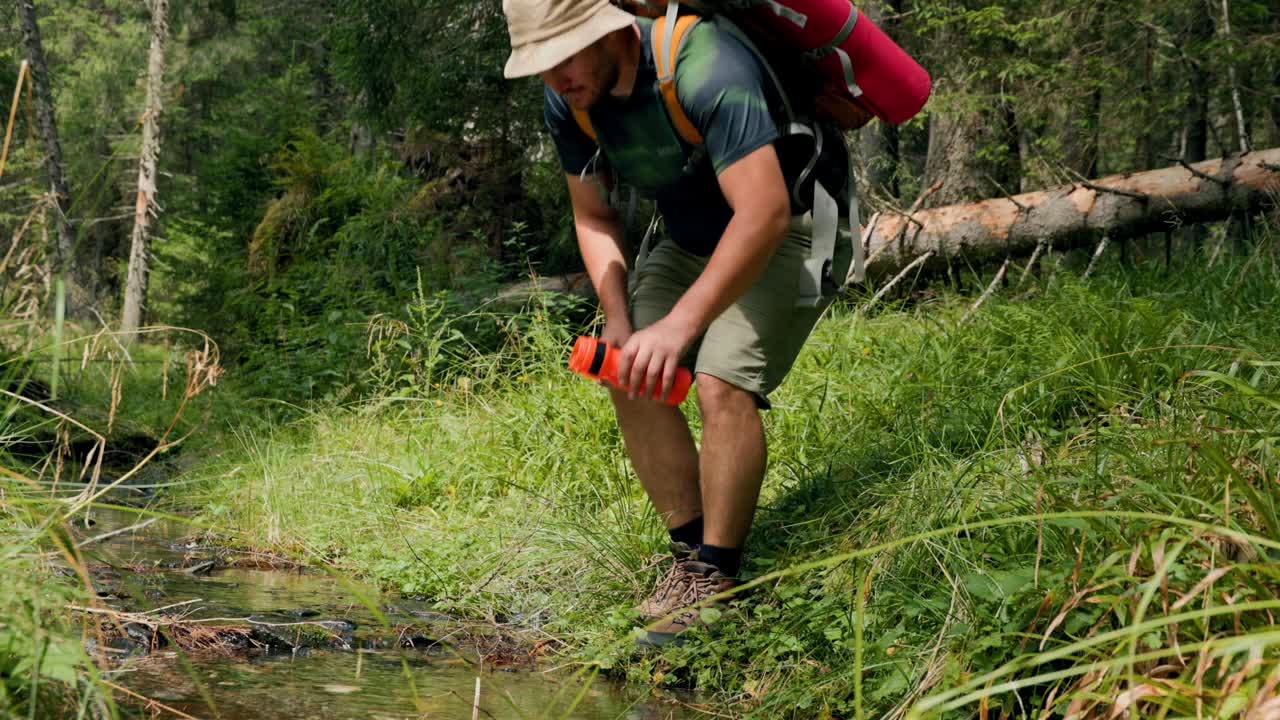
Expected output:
(699, 589)
(676, 575)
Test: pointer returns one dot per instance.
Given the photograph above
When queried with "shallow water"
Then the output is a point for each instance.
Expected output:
(360, 674)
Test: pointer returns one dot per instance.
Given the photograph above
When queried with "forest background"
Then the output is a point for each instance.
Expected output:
(344, 185)
(316, 157)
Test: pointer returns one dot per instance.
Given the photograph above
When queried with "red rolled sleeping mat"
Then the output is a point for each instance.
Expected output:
(860, 64)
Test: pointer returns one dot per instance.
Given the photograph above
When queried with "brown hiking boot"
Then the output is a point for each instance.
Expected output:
(703, 581)
(667, 591)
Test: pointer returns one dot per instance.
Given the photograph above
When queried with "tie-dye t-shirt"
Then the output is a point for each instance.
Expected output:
(726, 94)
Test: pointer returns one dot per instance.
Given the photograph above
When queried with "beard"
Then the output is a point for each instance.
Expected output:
(606, 78)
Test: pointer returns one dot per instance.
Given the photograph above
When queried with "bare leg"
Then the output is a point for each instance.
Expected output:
(733, 461)
(663, 455)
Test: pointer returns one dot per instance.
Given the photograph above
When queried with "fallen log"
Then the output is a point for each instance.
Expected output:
(1119, 206)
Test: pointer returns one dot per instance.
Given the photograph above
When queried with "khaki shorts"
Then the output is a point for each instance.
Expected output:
(754, 343)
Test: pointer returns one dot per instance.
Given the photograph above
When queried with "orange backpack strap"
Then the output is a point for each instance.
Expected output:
(669, 33)
(584, 122)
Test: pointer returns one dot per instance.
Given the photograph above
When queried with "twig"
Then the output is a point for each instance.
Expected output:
(148, 700)
(1035, 255)
(170, 607)
(909, 216)
(13, 111)
(1115, 191)
(475, 703)
(90, 222)
(865, 238)
(1097, 253)
(1086, 182)
(113, 533)
(922, 197)
(1007, 195)
(1199, 174)
(1217, 248)
(990, 289)
(896, 279)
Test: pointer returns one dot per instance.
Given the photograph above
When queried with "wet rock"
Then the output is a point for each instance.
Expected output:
(301, 613)
(144, 635)
(415, 610)
(291, 637)
(418, 641)
(202, 568)
(338, 625)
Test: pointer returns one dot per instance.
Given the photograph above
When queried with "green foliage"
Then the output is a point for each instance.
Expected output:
(436, 64)
(1009, 498)
(43, 668)
(354, 253)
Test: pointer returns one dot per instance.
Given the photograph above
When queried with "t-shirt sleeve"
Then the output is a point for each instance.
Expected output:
(722, 88)
(573, 146)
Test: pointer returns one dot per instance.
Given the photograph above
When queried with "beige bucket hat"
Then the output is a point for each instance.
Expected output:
(545, 33)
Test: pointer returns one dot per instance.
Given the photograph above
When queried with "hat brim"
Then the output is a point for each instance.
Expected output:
(536, 57)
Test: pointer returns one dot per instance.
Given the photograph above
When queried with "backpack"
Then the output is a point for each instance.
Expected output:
(841, 68)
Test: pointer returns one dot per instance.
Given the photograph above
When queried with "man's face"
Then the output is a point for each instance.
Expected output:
(586, 76)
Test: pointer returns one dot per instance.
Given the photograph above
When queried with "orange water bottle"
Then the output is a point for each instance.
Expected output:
(598, 360)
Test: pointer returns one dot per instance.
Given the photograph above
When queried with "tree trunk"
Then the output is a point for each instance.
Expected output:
(1242, 129)
(970, 154)
(65, 260)
(1120, 206)
(1275, 81)
(1080, 136)
(1196, 111)
(1144, 148)
(135, 295)
(878, 141)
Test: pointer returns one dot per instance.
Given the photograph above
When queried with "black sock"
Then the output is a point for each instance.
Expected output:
(728, 560)
(689, 533)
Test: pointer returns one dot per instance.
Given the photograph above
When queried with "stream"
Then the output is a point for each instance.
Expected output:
(258, 639)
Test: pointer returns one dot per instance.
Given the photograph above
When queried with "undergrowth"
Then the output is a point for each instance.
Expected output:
(1067, 504)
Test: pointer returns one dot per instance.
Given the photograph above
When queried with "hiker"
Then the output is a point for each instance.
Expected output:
(720, 293)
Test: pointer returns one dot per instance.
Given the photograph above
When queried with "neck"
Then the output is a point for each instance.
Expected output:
(628, 64)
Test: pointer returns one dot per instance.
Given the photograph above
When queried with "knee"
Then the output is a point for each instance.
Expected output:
(719, 399)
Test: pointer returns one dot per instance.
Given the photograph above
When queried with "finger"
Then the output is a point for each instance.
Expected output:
(626, 356)
(669, 376)
(653, 377)
(635, 380)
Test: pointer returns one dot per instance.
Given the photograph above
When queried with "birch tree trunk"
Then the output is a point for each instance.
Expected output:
(1242, 130)
(135, 294)
(64, 250)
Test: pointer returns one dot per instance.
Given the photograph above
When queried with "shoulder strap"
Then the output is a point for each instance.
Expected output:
(669, 33)
(670, 37)
(584, 122)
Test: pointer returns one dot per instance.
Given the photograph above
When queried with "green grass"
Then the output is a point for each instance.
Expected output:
(114, 404)
(1009, 514)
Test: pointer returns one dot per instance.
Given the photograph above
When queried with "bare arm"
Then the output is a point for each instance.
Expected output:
(756, 190)
(600, 240)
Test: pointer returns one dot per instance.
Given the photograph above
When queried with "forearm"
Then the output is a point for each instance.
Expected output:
(748, 242)
(600, 242)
